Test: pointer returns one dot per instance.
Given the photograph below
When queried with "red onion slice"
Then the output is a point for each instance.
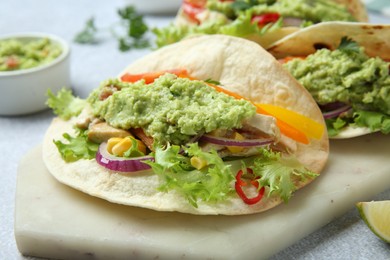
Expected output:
(232, 142)
(121, 164)
(336, 112)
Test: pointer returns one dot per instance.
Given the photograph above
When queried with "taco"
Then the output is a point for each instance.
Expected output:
(186, 127)
(345, 66)
(262, 21)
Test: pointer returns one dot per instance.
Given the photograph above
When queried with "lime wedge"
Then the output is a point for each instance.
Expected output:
(376, 214)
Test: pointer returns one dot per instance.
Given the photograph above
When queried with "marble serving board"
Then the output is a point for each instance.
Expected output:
(55, 221)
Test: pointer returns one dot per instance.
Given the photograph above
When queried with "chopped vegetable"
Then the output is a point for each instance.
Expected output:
(121, 164)
(191, 8)
(128, 147)
(240, 183)
(150, 77)
(264, 19)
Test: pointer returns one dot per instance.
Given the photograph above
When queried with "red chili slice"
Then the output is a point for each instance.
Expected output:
(240, 183)
(264, 19)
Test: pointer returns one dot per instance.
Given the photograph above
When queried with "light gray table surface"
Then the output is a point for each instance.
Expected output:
(346, 237)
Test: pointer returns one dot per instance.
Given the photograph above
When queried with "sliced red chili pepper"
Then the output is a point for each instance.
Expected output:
(192, 8)
(240, 183)
(264, 19)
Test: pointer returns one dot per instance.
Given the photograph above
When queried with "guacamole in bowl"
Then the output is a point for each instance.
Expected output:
(17, 53)
(30, 64)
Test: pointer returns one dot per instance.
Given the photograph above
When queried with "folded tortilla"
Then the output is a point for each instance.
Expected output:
(240, 65)
(373, 37)
(355, 7)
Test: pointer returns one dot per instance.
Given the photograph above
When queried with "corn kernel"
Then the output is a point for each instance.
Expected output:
(236, 149)
(112, 142)
(120, 148)
(198, 163)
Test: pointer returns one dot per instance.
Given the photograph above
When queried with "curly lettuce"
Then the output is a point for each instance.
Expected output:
(210, 184)
(280, 173)
(76, 147)
(64, 104)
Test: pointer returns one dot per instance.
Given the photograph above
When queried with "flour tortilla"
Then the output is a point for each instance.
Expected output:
(355, 7)
(375, 38)
(240, 65)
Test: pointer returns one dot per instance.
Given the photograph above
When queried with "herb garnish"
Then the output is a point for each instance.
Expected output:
(88, 34)
(129, 31)
(348, 45)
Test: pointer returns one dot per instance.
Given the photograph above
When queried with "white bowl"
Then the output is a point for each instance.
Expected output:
(24, 91)
(155, 6)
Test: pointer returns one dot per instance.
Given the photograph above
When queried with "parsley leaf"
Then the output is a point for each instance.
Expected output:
(348, 45)
(131, 25)
(88, 34)
(136, 29)
(211, 81)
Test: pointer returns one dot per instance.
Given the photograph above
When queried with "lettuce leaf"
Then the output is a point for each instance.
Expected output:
(210, 184)
(64, 104)
(279, 173)
(77, 147)
(373, 120)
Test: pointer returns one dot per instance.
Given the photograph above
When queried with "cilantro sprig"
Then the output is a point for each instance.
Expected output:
(130, 31)
(348, 45)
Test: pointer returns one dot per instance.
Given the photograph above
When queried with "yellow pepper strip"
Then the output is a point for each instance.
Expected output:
(307, 125)
(236, 149)
(288, 130)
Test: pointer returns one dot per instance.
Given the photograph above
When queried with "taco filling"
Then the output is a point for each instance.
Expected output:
(260, 21)
(185, 130)
(351, 88)
(188, 129)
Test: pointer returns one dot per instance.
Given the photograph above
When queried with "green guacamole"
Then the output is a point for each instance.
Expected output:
(171, 110)
(348, 76)
(17, 55)
(238, 21)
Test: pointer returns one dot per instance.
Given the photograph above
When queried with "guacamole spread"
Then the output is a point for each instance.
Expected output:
(17, 54)
(239, 14)
(170, 109)
(348, 76)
